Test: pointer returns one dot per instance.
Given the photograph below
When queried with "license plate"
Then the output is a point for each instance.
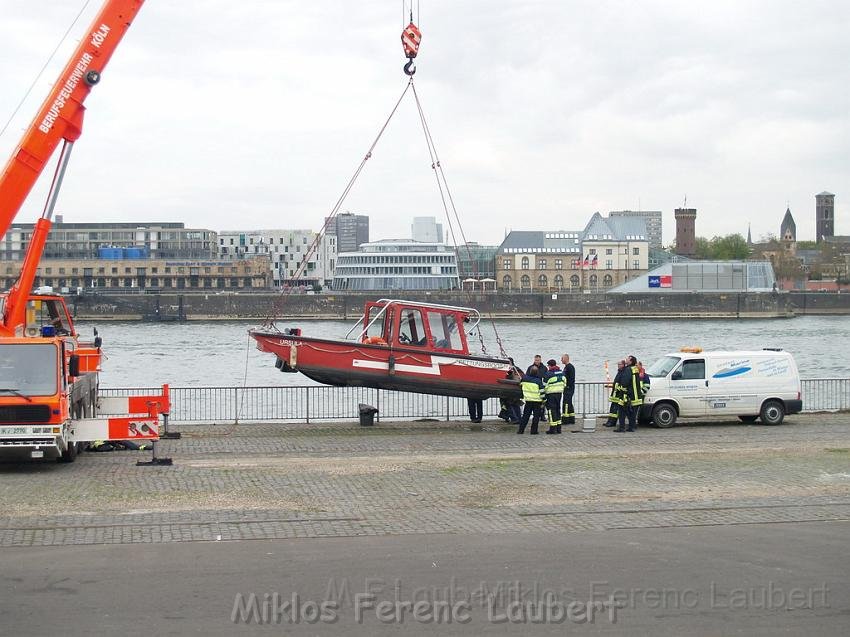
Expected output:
(37, 453)
(11, 431)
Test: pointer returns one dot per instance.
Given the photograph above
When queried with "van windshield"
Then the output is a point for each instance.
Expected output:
(663, 366)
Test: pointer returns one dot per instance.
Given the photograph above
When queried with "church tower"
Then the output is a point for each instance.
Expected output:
(824, 215)
(788, 229)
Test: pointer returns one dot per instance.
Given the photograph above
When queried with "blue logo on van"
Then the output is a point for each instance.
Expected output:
(735, 371)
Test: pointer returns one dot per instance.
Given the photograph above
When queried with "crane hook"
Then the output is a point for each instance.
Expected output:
(410, 39)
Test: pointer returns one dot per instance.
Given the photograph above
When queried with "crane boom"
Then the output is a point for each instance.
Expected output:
(49, 374)
(61, 115)
(60, 118)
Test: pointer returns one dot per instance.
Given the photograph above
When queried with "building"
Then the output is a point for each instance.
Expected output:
(788, 229)
(653, 224)
(169, 240)
(397, 264)
(149, 275)
(426, 230)
(477, 262)
(824, 216)
(608, 251)
(617, 247)
(704, 276)
(686, 243)
(286, 250)
(530, 260)
(351, 231)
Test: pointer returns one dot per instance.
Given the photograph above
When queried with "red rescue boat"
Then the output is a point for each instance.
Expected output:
(397, 345)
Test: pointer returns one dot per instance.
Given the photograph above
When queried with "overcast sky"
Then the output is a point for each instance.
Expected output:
(254, 113)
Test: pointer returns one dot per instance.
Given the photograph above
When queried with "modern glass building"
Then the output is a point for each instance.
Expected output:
(704, 276)
(160, 240)
(397, 265)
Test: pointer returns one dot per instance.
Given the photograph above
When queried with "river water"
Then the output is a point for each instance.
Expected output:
(221, 353)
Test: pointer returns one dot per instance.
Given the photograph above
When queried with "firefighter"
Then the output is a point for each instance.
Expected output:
(538, 365)
(568, 414)
(553, 387)
(632, 395)
(533, 393)
(615, 398)
(541, 369)
(644, 378)
(513, 406)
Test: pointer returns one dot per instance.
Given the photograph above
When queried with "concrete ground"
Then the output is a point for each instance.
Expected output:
(724, 528)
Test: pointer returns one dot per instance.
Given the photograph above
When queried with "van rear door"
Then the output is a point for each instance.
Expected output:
(688, 387)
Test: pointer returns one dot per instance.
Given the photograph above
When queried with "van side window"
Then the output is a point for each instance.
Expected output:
(693, 370)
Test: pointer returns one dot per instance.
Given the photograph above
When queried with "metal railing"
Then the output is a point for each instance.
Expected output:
(310, 404)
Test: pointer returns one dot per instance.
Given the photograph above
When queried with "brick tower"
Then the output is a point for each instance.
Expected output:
(686, 231)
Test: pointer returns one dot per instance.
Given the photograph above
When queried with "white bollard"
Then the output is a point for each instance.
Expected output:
(588, 424)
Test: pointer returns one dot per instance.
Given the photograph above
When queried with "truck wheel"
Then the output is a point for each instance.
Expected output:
(748, 419)
(664, 415)
(70, 454)
(772, 412)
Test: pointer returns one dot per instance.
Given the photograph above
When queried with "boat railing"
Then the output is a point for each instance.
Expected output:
(321, 403)
(473, 314)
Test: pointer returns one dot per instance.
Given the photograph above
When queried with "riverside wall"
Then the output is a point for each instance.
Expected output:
(206, 307)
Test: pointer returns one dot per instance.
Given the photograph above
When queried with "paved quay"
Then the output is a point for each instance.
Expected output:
(252, 482)
(714, 528)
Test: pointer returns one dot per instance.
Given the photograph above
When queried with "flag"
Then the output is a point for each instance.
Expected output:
(595, 261)
(587, 261)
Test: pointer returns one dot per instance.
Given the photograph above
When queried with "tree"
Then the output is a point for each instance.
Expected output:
(732, 246)
(702, 248)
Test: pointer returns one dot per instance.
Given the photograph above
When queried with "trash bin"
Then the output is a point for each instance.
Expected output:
(367, 415)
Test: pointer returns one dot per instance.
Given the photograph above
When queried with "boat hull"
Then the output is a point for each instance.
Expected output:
(348, 363)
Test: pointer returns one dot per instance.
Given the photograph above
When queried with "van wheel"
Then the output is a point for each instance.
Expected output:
(664, 415)
(748, 419)
(772, 412)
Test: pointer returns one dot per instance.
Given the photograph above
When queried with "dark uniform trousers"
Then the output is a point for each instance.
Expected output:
(531, 410)
(626, 411)
(553, 406)
(569, 414)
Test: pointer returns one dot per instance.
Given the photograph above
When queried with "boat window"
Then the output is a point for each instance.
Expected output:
(693, 369)
(663, 366)
(376, 329)
(411, 329)
(444, 330)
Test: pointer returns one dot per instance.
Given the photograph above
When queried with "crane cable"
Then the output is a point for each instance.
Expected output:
(270, 320)
(447, 201)
(410, 38)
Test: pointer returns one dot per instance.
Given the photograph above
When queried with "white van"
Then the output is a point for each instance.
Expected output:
(761, 384)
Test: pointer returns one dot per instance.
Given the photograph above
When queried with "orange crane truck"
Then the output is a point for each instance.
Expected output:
(49, 402)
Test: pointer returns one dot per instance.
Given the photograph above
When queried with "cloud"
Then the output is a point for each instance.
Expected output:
(543, 112)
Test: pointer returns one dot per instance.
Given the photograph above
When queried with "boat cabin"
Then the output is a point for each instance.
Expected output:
(408, 325)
